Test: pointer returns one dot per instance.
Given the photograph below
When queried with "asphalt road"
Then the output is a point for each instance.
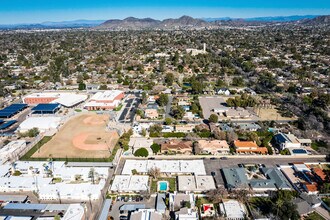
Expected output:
(168, 107)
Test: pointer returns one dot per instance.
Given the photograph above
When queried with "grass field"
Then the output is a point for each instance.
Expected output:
(84, 136)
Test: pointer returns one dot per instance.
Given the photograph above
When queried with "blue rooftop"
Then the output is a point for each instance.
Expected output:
(7, 124)
(46, 108)
(12, 110)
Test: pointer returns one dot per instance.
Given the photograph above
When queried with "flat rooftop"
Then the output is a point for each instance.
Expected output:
(130, 183)
(166, 166)
(196, 183)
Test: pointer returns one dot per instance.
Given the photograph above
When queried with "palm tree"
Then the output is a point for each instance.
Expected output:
(279, 203)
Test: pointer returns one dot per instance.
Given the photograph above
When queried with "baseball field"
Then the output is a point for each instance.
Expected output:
(83, 136)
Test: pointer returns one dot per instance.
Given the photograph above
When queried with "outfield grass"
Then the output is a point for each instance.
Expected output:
(45, 139)
(36, 147)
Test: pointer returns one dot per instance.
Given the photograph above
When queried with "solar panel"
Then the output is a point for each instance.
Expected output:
(46, 108)
(11, 110)
(7, 124)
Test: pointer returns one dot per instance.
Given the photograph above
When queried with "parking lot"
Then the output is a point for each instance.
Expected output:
(116, 213)
(130, 105)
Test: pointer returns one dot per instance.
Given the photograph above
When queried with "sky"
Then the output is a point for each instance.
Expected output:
(37, 11)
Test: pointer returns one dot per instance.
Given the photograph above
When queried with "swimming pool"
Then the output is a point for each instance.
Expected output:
(162, 185)
(299, 151)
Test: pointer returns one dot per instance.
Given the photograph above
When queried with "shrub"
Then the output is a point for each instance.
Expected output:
(155, 148)
(142, 152)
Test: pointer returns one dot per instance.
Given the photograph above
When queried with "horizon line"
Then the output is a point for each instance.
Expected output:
(140, 17)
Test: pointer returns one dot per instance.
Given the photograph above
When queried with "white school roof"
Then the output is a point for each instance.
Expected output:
(11, 147)
(25, 165)
(165, 166)
(106, 95)
(25, 183)
(42, 123)
(130, 183)
(80, 191)
(68, 172)
(64, 98)
(69, 100)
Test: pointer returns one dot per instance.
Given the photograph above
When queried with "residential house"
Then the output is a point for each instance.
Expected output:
(181, 200)
(284, 141)
(213, 147)
(237, 113)
(185, 128)
(177, 146)
(146, 214)
(151, 113)
(233, 210)
(207, 210)
(249, 147)
(222, 91)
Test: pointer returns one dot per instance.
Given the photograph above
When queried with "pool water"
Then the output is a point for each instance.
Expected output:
(162, 186)
(299, 151)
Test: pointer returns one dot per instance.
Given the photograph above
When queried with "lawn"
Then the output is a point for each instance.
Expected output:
(36, 147)
(316, 145)
(314, 216)
(118, 108)
(171, 181)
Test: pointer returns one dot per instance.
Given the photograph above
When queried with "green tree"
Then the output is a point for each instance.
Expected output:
(103, 87)
(213, 118)
(155, 130)
(169, 78)
(163, 99)
(155, 148)
(168, 121)
(238, 81)
(82, 86)
(141, 152)
(178, 112)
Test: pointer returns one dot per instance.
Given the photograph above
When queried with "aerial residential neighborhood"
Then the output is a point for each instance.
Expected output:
(182, 119)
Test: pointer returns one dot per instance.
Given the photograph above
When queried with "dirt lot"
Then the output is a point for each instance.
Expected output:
(268, 114)
(83, 136)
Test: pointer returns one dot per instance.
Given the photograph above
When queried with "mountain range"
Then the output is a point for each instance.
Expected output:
(184, 22)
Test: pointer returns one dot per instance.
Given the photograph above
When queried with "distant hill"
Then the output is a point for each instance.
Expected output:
(50, 25)
(129, 23)
(184, 22)
(265, 19)
(132, 23)
(320, 20)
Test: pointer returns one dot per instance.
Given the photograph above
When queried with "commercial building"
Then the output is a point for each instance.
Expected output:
(166, 166)
(66, 99)
(213, 147)
(106, 100)
(195, 183)
(249, 147)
